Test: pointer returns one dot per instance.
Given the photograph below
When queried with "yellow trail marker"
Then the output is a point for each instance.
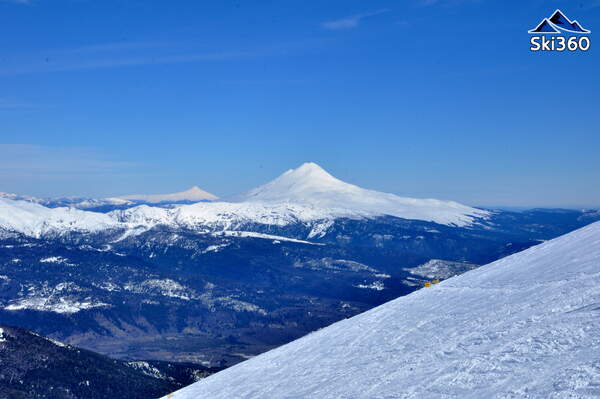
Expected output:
(427, 284)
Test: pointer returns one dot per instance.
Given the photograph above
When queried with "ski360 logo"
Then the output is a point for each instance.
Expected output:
(569, 35)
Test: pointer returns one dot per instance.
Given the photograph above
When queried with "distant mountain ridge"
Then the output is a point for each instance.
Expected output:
(307, 194)
(194, 194)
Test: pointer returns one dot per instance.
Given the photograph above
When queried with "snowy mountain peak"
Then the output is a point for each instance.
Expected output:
(309, 171)
(197, 192)
(299, 185)
(306, 194)
(311, 186)
(193, 194)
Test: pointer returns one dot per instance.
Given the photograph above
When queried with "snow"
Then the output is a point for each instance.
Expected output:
(2, 339)
(58, 260)
(307, 195)
(34, 219)
(13, 196)
(239, 306)
(91, 202)
(251, 234)
(56, 305)
(57, 343)
(173, 289)
(107, 286)
(227, 215)
(335, 265)
(64, 298)
(525, 326)
(75, 202)
(441, 269)
(311, 185)
(193, 194)
(376, 285)
(209, 299)
(215, 248)
(164, 287)
(147, 369)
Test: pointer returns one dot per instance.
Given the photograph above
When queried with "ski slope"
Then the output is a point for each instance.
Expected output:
(526, 326)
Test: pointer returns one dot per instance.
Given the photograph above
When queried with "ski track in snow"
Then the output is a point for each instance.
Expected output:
(526, 326)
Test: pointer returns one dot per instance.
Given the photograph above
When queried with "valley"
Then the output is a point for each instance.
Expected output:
(215, 283)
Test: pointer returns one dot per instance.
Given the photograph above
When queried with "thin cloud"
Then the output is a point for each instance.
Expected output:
(124, 62)
(8, 104)
(129, 54)
(58, 63)
(116, 47)
(26, 159)
(352, 21)
(41, 170)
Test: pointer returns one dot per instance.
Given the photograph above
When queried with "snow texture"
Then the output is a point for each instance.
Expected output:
(526, 326)
(34, 220)
(63, 298)
(165, 287)
(56, 305)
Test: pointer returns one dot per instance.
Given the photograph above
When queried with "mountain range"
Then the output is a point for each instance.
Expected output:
(306, 194)
(194, 194)
(217, 282)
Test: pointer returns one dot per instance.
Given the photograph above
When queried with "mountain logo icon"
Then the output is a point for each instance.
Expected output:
(558, 23)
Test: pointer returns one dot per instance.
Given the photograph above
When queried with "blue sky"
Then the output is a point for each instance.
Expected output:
(421, 98)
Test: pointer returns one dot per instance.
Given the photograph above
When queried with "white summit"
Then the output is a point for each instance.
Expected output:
(193, 194)
(526, 326)
(310, 185)
(307, 194)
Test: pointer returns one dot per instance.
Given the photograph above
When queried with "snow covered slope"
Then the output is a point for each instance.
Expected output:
(193, 194)
(310, 185)
(526, 326)
(304, 195)
(34, 220)
(69, 202)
